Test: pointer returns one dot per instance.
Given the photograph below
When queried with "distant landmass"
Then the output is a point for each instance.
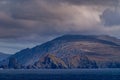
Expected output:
(3, 56)
(68, 52)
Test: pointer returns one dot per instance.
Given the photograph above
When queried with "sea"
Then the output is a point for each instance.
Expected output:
(60, 74)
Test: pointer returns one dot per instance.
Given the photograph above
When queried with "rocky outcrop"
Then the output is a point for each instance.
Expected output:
(50, 61)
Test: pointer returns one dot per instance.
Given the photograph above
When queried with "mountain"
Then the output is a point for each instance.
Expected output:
(50, 61)
(70, 51)
(3, 56)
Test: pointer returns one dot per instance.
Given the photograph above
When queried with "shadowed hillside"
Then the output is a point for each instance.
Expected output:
(3, 56)
(71, 51)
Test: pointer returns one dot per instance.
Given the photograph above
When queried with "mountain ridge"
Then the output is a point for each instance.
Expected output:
(96, 52)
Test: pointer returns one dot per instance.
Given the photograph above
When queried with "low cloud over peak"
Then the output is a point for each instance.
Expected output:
(38, 19)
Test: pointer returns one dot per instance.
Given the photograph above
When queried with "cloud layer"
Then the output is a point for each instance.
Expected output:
(111, 17)
(41, 20)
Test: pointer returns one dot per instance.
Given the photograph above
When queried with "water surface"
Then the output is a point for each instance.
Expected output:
(61, 74)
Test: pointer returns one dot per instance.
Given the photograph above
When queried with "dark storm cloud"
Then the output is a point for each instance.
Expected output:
(111, 17)
(24, 8)
(9, 27)
(86, 2)
(29, 17)
(48, 17)
(93, 2)
(38, 20)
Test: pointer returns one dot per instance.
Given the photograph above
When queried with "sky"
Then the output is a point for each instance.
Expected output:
(27, 23)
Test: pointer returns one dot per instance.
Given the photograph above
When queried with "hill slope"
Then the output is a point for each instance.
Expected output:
(72, 51)
(3, 56)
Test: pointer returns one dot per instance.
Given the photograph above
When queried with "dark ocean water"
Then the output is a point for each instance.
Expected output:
(68, 74)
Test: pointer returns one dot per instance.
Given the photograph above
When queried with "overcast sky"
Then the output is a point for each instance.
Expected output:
(27, 23)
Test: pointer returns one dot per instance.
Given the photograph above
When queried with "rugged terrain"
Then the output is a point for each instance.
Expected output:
(69, 51)
(3, 56)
